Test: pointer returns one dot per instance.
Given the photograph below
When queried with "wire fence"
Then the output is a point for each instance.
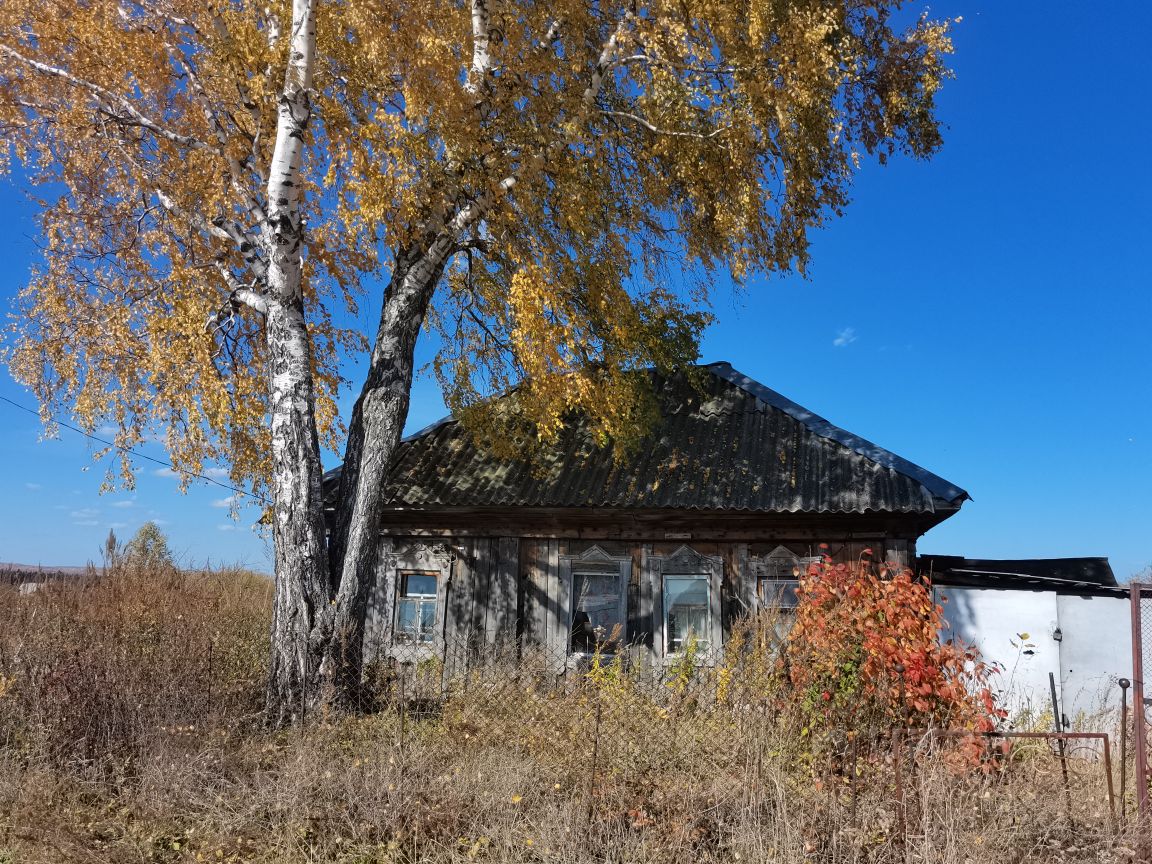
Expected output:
(608, 722)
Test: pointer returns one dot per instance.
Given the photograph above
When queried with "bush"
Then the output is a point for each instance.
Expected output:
(864, 654)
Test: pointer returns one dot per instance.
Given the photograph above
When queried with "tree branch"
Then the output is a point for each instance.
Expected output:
(221, 229)
(474, 211)
(235, 169)
(130, 116)
(551, 35)
(656, 130)
(481, 46)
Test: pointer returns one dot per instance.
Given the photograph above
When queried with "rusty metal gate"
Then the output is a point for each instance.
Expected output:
(1142, 694)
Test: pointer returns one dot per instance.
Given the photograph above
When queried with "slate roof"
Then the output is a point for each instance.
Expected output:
(1065, 575)
(736, 446)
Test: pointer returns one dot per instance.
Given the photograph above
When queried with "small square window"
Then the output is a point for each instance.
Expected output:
(416, 608)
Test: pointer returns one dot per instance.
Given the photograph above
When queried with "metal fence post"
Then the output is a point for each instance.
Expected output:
(1139, 714)
(1124, 685)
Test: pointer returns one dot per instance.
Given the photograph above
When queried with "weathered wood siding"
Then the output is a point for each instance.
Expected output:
(517, 590)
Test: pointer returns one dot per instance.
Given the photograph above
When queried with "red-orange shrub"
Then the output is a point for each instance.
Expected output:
(864, 654)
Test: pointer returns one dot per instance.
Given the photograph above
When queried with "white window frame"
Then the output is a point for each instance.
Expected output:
(685, 561)
(420, 601)
(707, 638)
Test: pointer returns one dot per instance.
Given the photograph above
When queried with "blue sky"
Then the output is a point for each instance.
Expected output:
(984, 314)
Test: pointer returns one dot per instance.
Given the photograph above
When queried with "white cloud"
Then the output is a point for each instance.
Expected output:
(85, 513)
(129, 502)
(225, 502)
(217, 473)
(86, 523)
(33, 487)
(164, 472)
(846, 336)
(115, 525)
(226, 527)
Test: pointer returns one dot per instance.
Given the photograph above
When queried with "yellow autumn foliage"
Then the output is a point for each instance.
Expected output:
(594, 166)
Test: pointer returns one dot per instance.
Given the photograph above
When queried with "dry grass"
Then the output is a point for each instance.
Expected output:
(129, 732)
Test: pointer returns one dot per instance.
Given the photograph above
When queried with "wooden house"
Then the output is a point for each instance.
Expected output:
(734, 488)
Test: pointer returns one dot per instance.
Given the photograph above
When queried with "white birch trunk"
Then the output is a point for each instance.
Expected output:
(302, 610)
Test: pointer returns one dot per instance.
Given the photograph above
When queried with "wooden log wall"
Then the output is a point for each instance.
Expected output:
(511, 590)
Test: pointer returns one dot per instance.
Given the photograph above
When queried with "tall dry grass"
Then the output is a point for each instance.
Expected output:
(97, 669)
(129, 731)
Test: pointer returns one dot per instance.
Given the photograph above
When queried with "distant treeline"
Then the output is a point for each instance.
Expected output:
(23, 574)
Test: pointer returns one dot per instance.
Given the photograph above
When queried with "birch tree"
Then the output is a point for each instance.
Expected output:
(551, 187)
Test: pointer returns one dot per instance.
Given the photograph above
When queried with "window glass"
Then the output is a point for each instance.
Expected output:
(419, 585)
(778, 593)
(687, 611)
(416, 609)
(597, 611)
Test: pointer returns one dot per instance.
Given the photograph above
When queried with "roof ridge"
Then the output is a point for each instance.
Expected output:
(818, 425)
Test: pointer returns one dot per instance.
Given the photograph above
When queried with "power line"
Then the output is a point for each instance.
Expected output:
(132, 452)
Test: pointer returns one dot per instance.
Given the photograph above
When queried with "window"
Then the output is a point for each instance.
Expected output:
(779, 594)
(779, 578)
(416, 608)
(687, 612)
(597, 611)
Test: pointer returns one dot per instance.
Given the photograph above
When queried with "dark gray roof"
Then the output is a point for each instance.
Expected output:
(1068, 575)
(734, 445)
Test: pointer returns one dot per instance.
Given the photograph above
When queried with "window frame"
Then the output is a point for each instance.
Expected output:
(420, 600)
(782, 570)
(593, 561)
(783, 608)
(707, 636)
(684, 561)
(603, 644)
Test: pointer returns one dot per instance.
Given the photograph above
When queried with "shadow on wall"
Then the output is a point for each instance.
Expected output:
(1085, 641)
(1013, 630)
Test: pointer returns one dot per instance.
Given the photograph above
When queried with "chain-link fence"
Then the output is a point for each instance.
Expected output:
(602, 723)
(579, 713)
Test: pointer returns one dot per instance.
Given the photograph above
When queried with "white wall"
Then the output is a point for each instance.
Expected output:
(992, 620)
(1097, 654)
(1094, 651)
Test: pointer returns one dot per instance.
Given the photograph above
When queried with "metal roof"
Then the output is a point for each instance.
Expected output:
(734, 445)
(1066, 575)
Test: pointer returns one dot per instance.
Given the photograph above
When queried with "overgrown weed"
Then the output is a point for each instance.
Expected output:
(129, 731)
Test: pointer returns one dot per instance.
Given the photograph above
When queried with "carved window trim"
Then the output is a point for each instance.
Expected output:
(592, 561)
(775, 573)
(397, 559)
(686, 561)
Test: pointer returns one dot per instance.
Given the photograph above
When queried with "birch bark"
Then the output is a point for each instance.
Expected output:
(302, 610)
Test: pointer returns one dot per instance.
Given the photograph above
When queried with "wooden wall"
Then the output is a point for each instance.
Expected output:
(515, 590)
